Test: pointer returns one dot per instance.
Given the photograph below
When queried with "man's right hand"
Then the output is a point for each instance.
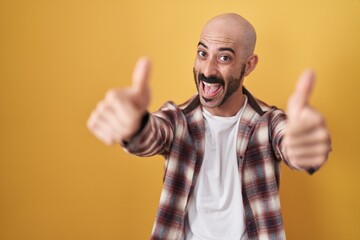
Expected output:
(118, 116)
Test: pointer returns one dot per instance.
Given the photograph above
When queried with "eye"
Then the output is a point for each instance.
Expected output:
(225, 58)
(201, 53)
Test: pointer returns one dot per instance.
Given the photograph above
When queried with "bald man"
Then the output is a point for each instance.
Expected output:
(223, 147)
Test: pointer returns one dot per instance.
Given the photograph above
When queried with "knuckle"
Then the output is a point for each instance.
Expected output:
(106, 140)
(109, 141)
(101, 107)
(110, 93)
(320, 160)
(318, 118)
(89, 124)
(323, 135)
(91, 121)
(116, 139)
(324, 148)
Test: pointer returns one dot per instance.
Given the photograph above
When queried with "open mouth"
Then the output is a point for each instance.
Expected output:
(210, 90)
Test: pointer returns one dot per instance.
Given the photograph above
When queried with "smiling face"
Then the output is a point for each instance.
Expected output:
(221, 63)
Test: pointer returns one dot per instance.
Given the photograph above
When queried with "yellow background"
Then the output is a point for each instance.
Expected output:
(58, 58)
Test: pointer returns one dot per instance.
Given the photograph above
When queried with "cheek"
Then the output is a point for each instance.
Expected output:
(199, 63)
(231, 73)
(225, 73)
(197, 67)
(196, 72)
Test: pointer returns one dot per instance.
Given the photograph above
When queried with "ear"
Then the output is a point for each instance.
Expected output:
(251, 63)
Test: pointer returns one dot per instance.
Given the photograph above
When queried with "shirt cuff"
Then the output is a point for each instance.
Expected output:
(144, 121)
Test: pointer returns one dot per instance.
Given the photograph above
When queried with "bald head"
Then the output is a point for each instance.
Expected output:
(232, 28)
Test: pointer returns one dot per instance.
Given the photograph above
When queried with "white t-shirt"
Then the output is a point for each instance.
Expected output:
(216, 211)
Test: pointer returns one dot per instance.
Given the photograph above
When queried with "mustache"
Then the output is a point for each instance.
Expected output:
(201, 77)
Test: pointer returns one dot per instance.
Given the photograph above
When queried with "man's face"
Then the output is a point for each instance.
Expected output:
(218, 71)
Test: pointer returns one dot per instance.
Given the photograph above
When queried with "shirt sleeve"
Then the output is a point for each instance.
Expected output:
(278, 123)
(156, 134)
(277, 131)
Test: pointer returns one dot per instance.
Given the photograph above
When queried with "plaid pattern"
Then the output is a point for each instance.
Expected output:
(177, 133)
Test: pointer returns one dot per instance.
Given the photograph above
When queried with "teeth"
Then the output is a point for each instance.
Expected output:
(210, 84)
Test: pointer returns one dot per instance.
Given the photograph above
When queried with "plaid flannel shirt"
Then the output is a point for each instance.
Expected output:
(177, 133)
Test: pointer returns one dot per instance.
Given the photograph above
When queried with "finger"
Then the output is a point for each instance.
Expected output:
(308, 151)
(103, 137)
(105, 115)
(302, 92)
(141, 75)
(122, 104)
(306, 121)
(100, 125)
(103, 132)
(109, 117)
(126, 113)
(310, 164)
(310, 138)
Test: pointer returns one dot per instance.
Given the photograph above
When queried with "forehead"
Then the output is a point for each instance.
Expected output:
(221, 35)
(213, 41)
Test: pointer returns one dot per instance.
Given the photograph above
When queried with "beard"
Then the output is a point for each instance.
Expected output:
(233, 83)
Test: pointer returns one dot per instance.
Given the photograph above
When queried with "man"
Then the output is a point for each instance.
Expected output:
(223, 147)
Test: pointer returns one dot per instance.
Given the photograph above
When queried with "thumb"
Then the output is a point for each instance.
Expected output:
(300, 97)
(140, 77)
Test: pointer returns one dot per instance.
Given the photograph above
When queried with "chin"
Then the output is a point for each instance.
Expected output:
(211, 103)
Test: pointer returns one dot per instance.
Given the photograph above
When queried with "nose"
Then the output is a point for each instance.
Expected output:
(210, 68)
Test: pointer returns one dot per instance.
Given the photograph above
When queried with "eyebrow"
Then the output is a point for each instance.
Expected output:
(227, 49)
(202, 44)
(220, 49)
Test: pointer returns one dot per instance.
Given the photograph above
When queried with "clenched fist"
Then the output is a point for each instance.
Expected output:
(118, 116)
(307, 139)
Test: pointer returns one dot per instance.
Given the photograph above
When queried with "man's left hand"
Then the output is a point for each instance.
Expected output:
(307, 139)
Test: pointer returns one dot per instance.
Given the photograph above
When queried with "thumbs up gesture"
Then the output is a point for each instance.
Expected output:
(307, 140)
(118, 116)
